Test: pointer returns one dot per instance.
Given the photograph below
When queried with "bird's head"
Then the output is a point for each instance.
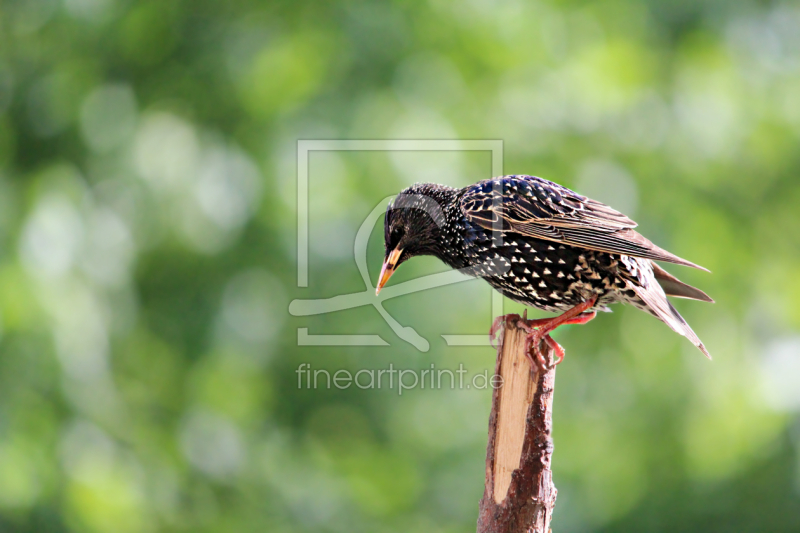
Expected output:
(414, 225)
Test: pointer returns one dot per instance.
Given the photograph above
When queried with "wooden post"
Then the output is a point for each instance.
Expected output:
(519, 495)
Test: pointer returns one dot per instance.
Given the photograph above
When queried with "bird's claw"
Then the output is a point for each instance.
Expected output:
(536, 333)
(533, 347)
(533, 350)
(497, 325)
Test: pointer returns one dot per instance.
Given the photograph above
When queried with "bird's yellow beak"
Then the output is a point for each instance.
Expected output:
(388, 269)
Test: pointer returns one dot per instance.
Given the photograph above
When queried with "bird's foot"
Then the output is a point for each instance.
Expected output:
(533, 339)
(538, 332)
(537, 335)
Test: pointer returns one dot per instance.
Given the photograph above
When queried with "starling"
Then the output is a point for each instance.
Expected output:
(539, 244)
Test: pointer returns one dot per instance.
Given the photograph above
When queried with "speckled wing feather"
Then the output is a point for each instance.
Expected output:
(539, 208)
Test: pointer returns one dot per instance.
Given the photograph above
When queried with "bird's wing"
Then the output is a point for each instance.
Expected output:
(538, 208)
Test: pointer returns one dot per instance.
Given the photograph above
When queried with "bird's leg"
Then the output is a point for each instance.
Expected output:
(539, 330)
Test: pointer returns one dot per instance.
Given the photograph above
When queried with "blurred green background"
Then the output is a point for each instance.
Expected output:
(148, 257)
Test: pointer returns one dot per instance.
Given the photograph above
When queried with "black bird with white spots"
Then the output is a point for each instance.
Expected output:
(539, 244)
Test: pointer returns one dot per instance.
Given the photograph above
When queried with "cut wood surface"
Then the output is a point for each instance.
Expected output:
(519, 494)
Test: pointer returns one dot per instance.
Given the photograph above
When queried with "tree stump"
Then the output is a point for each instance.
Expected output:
(519, 494)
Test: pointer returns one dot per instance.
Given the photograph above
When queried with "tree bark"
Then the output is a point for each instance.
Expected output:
(519, 494)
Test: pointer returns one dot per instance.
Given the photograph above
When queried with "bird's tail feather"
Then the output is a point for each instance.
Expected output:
(674, 287)
(657, 302)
